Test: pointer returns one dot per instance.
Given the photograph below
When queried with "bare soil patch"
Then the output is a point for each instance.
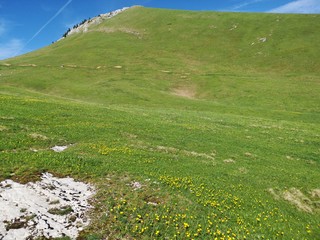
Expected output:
(186, 92)
(305, 202)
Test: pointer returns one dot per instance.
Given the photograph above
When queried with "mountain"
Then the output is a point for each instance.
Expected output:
(147, 54)
(190, 124)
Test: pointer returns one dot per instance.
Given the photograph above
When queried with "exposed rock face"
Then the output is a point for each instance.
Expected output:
(50, 208)
(95, 21)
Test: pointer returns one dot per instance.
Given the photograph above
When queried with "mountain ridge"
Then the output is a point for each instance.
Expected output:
(84, 25)
(239, 38)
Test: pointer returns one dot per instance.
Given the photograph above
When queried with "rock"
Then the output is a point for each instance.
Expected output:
(136, 185)
(95, 21)
(264, 39)
(59, 148)
(229, 161)
(36, 221)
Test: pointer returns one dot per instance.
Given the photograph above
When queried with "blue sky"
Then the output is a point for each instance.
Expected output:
(29, 25)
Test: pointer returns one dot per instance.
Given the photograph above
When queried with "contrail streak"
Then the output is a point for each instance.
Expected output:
(44, 26)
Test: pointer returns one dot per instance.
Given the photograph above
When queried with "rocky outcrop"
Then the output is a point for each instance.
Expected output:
(85, 25)
(51, 208)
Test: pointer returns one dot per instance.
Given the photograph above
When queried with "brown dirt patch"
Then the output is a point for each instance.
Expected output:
(3, 128)
(38, 136)
(274, 193)
(229, 161)
(297, 198)
(315, 193)
(185, 92)
(243, 170)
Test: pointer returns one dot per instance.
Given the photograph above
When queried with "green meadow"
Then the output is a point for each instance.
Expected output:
(191, 125)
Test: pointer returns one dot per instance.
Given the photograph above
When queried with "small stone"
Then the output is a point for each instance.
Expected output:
(229, 161)
(136, 185)
(59, 148)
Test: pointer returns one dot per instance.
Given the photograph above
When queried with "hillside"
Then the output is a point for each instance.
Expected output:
(196, 54)
(216, 116)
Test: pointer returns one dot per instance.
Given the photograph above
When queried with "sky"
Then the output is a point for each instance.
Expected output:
(29, 25)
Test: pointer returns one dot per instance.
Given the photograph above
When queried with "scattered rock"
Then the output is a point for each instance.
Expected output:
(243, 170)
(121, 29)
(229, 161)
(203, 155)
(27, 213)
(274, 193)
(247, 154)
(263, 39)
(152, 203)
(3, 128)
(136, 185)
(94, 21)
(38, 136)
(59, 148)
(315, 193)
(71, 66)
(28, 65)
(297, 198)
(167, 149)
(235, 26)
(165, 71)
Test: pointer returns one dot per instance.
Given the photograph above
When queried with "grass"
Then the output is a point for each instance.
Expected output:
(219, 165)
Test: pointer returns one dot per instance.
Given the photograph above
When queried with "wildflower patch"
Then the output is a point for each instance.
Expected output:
(106, 150)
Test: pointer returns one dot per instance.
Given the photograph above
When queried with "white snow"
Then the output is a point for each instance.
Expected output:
(32, 210)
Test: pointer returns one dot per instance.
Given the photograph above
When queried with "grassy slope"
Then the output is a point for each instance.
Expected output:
(255, 104)
(202, 53)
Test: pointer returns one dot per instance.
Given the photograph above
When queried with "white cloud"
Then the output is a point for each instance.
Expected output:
(299, 6)
(10, 48)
